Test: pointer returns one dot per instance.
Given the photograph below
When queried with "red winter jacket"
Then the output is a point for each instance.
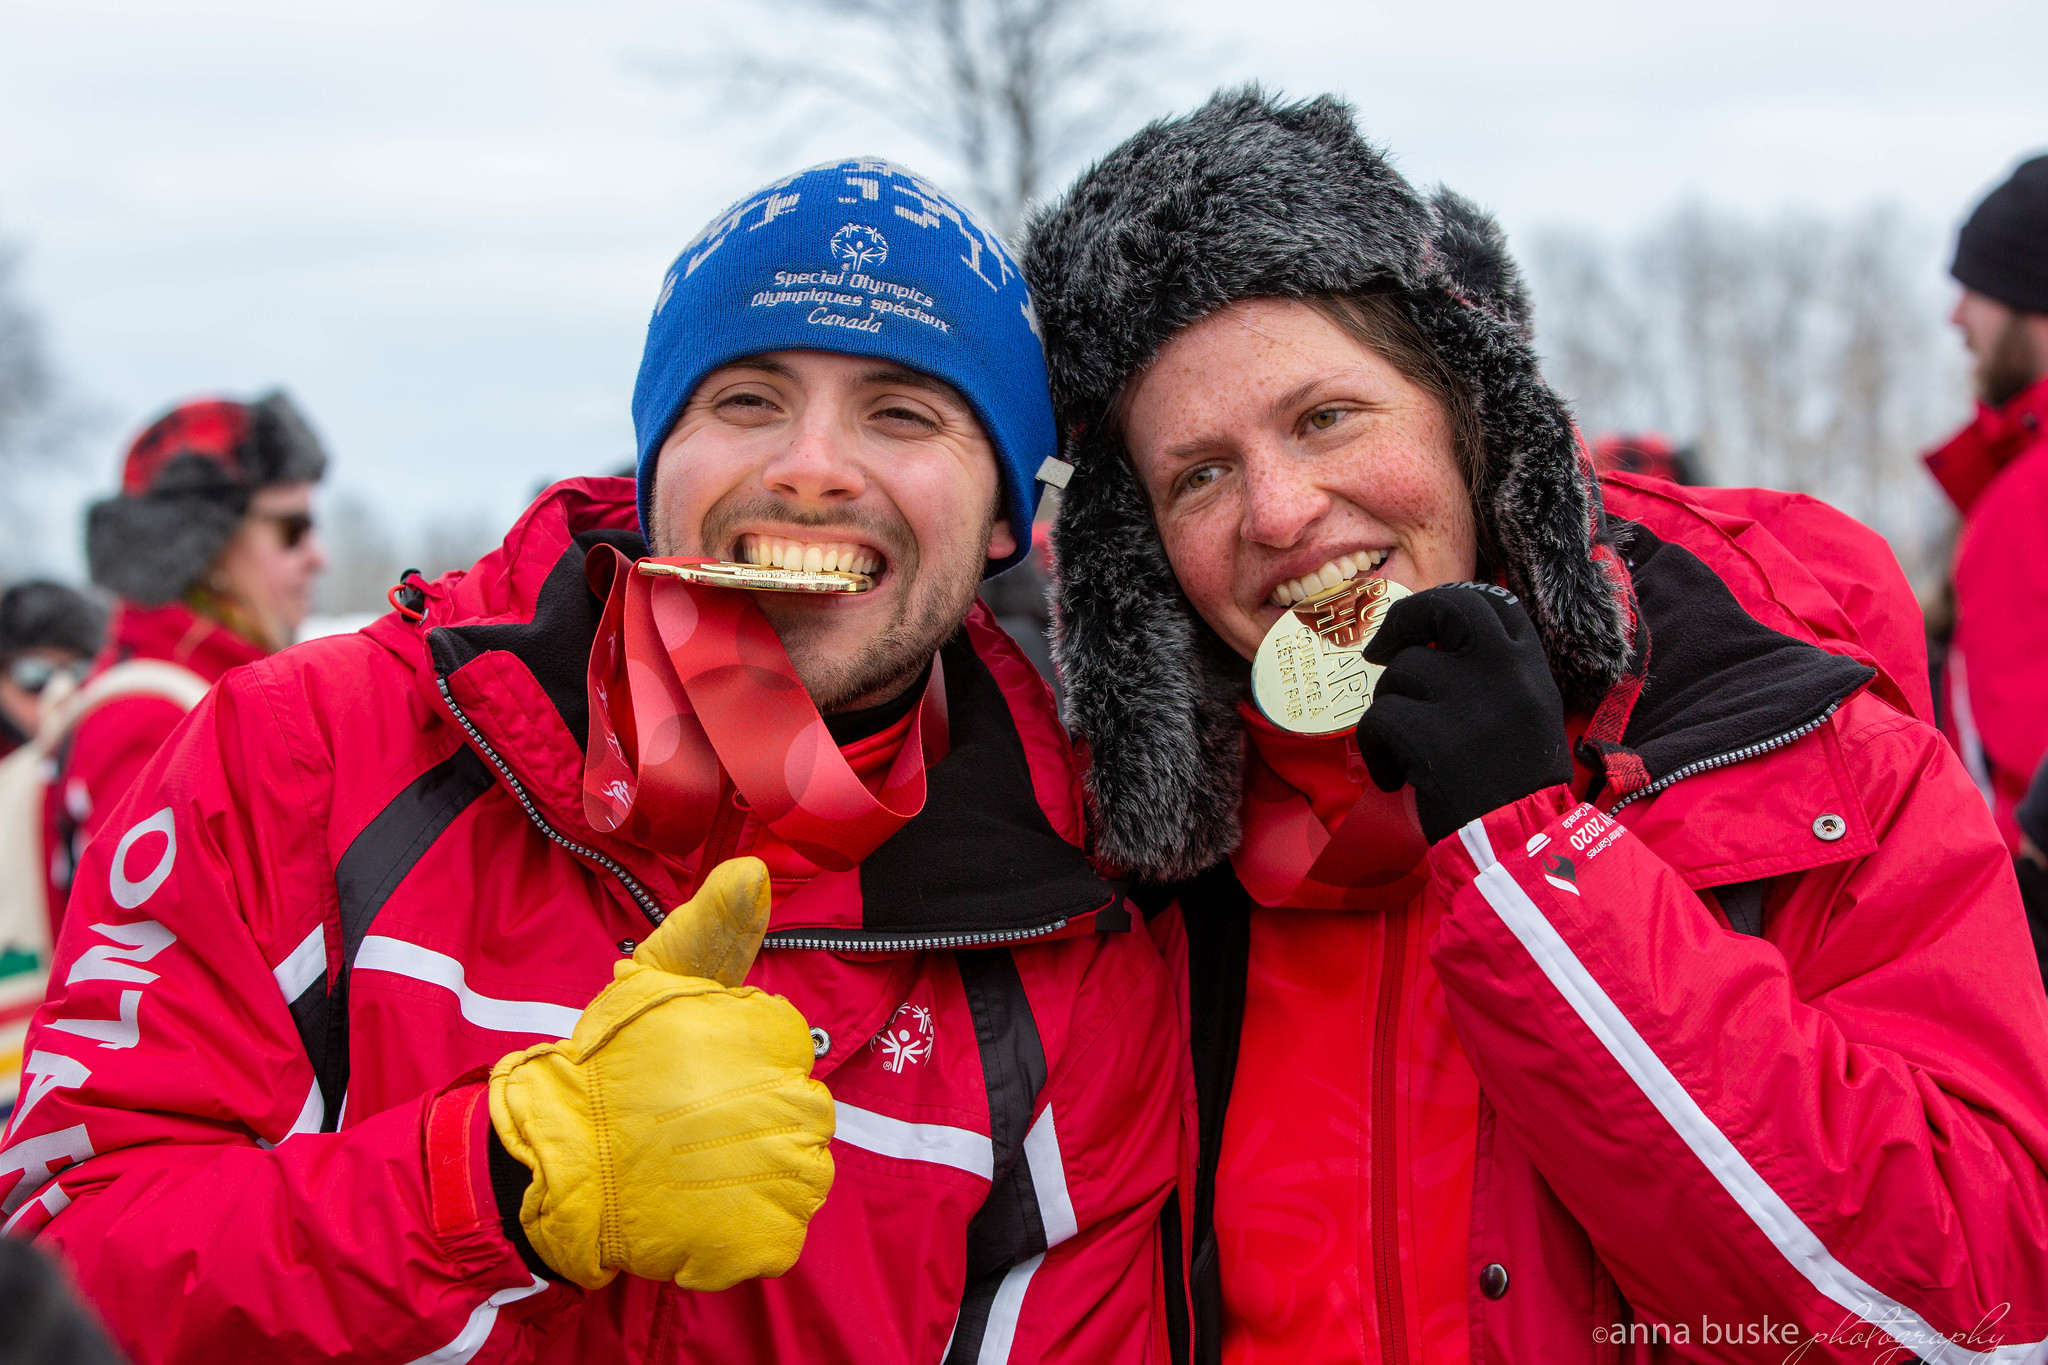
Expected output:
(361, 872)
(1747, 1045)
(115, 741)
(1996, 472)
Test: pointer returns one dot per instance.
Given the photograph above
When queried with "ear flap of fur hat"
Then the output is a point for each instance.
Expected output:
(1248, 197)
(153, 547)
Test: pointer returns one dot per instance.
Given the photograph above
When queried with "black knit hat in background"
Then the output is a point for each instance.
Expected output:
(40, 614)
(1250, 197)
(2002, 252)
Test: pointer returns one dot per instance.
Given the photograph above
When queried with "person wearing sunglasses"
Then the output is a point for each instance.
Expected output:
(46, 630)
(210, 548)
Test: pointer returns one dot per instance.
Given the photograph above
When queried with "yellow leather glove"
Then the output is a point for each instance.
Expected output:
(676, 1134)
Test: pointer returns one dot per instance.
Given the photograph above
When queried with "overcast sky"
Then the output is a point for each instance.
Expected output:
(441, 225)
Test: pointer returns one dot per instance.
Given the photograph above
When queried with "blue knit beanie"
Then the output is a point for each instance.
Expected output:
(860, 257)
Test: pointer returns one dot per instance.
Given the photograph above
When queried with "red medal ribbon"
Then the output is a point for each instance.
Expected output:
(1374, 860)
(690, 686)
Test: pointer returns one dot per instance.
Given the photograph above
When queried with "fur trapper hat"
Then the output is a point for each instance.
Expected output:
(1248, 197)
(185, 486)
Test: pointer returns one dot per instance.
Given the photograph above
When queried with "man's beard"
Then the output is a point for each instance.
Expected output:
(938, 599)
(2012, 365)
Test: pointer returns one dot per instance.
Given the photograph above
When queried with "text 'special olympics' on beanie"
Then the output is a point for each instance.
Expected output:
(2002, 252)
(859, 257)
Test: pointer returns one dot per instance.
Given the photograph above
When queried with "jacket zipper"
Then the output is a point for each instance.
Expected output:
(648, 906)
(1386, 1227)
(1747, 751)
(652, 908)
(795, 938)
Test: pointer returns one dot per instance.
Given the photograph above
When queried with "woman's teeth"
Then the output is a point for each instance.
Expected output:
(799, 554)
(1329, 576)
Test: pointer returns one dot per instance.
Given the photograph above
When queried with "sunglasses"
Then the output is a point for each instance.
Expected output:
(32, 672)
(292, 527)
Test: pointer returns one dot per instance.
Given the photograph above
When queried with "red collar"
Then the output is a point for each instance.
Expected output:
(1966, 466)
(1317, 833)
(179, 634)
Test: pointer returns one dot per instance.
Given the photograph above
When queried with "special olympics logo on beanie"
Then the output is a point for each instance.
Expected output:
(860, 246)
(857, 257)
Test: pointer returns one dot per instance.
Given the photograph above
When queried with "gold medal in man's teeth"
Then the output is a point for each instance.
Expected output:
(1310, 675)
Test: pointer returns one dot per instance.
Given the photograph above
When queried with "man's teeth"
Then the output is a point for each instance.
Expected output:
(801, 554)
(1329, 576)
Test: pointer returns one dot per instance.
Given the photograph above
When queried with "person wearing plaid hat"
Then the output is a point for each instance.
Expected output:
(210, 550)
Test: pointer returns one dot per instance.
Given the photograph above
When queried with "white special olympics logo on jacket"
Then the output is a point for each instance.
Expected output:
(907, 1038)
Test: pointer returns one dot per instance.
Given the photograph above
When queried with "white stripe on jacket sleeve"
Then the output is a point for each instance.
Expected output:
(1056, 1213)
(1473, 836)
(939, 1143)
(395, 955)
(1049, 1180)
(1001, 1333)
(477, 1330)
(304, 965)
(1776, 1219)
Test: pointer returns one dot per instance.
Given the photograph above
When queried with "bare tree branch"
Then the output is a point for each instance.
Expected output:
(1010, 91)
(1805, 354)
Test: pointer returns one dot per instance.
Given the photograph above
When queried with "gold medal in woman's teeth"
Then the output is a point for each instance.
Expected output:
(1310, 675)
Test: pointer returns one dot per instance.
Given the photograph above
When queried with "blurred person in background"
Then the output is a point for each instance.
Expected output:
(47, 630)
(41, 1320)
(1648, 453)
(2032, 861)
(210, 549)
(1995, 687)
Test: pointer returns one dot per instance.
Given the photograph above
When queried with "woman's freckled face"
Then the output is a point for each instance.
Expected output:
(1273, 445)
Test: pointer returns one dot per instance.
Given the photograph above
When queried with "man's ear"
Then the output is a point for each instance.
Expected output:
(1002, 541)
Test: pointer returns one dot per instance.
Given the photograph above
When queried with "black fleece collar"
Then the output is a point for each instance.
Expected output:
(1713, 679)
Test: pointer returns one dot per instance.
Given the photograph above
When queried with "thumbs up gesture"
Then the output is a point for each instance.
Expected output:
(676, 1134)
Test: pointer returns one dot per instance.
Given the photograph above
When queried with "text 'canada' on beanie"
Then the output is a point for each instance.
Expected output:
(2002, 252)
(859, 257)
(185, 486)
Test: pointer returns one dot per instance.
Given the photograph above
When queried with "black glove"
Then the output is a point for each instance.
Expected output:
(1475, 722)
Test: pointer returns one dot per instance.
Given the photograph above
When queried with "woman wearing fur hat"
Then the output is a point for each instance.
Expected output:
(211, 550)
(1641, 967)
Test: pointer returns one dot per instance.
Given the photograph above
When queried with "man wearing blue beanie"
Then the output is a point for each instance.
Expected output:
(670, 940)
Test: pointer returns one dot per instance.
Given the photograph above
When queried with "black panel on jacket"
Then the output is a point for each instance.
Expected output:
(1008, 1230)
(376, 861)
(981, 853)
(555, 645)
(1719, 679)
(1216, 912)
